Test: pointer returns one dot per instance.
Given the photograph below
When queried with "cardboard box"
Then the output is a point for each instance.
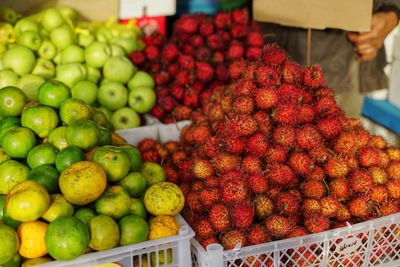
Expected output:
(95, 10)
(350, 15)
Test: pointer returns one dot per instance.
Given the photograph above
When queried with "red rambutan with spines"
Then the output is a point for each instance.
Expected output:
(243, 104)
(325, 106)
(300, 162)
(336, 167)
(258, 183)
(393, 170)
(339, 187)
(234, 191)
(278, 225)
(263, 206)
(368, 156)
(204, 71)
(308, 137)
(253, 53)
(378, 142)
(138, 58)
(219, 217)
(215, 42)
(152, 52)
(329, 206)
(284, 135)
(287, 204)
(360, 181)
(276, 153)
(393, 188)
(257, 144)
(267, 77)
(225, 162)
(232, 144)
(203, 228)
(222, 20)
(297, 231)
(274, 55)
(266, 98)
(360, 206)
(330, 127)
(316, 223)
(378, 193)
(242, 215)
(252, 164)
(343, 214)
(292, 72)
(255, 39)
(313, 189)
(313, 77)
(257, 234)
(192, 201)
(210, 240)
(305, 114)
(202, 168)
(378, 174)
(317, 173)
(388, 207)
(280, 174)
(393, 153)
(232, 238)
(239, 31)
(310, 206)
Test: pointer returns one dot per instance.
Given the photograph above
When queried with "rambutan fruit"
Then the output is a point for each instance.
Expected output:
(232, 238)
(192, 201)
(181, 113)
(185, 170)
(378, 174)
(244, 125)
(200, 134)
(343, 214)
(219, 217)
(330, 127)
(225, 162)
(308, 137)
(378, 142)
(285, 114)
(204, 71)
(313, 189)
(305, 114)
(292, 72)
(210, 240)
(243, 104)
(316, 223)
(206, 28)
(273, 54)
(242, 216)
(310, 206)
(157, 111)
(267, 77)
(236, 69)
(276, 153)
(363, 137)
(360, 206)
(284, 135)
(202, 168)
(266, 98)
(325, 106)
(360, 181)
(235, 51)
(152, 52)
(186, 24)
(274, 191)
(297, 231)
(287, 204)
(191, 98)
(231, 175)
(197, 185)
(203, 228)
(258, 234)
(169, 52)
(264, 121)
(222, 20)
(313, 77)
(257, 144)
(254, 38)
(368, 156)
(388, 207)
(178, 156)
(252, 164)
(393, 187)
(263, 206)
(345, 144)
(393, 170)
(278, 225)
(138, 58)
(317, 173)
(393, 153)
(147, 144)
(383, 159)
(336, 167)
(258, 183)
(329, 206)
(151, 155)
(171, 173)
(240, 16)
(290, 93)
(319, 154)
(234, 191)
(339, 188)
(378, 193)
(280, 174)
(253, 53)
(300, 162)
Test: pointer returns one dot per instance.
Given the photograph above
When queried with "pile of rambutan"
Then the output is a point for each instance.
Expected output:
(272, 156)
(195, 59)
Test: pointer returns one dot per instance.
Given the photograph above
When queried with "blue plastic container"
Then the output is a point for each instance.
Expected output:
(209, 7)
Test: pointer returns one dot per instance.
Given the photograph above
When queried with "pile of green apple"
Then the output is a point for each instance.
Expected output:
(89, 57)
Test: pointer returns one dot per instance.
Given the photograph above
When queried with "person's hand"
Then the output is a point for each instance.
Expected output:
(367, 44)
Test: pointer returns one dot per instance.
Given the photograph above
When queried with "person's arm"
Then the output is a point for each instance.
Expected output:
(383, 22)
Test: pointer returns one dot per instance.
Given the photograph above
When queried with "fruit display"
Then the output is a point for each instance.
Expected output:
(91, 58)
(272, 156)
(70, 186)
(196, 59)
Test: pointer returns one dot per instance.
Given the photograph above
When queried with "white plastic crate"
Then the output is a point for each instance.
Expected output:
(371, 243)
(132, 255)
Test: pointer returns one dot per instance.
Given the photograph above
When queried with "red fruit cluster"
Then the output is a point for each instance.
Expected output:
(272, 156)
(196, 59)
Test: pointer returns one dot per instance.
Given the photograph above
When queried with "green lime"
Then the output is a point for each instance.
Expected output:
(58, 137)
(138, 208)
(133, 229)
(134, 156)
(43, 154)
(12, 101)
(18, 141)
(47, 176)
(134, 183)
(3, 155)
(67, 156)
(15, 261)
(2, 204)
(83, 133)
(85, 214)
(10, 221)
(105, 136)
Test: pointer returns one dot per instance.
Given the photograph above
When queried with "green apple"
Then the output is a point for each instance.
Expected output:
(117, 50)
(69, 14)
(9, 15)
(125, 118)
(112, 95)
(52, 19)
(93, 74)
(7, 33)
(47, 49)
(20, 59)
(73, 109)
(119, 69)
(18, 141)
(52, 93)
(8, 78)
(72, 54)
(100, 118)
(104, 35)
(57, 58)
(40, 119)
(62, 36)
(12, 101)
(106, 112)
(44, 68)
(85, 91)
(142, 99)
(70, 73)
(96, 54)
(25, 24)
(85, 37)
(30, 39)
(29, 84)
(129, 44)
(153, 172)
(141, 78)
